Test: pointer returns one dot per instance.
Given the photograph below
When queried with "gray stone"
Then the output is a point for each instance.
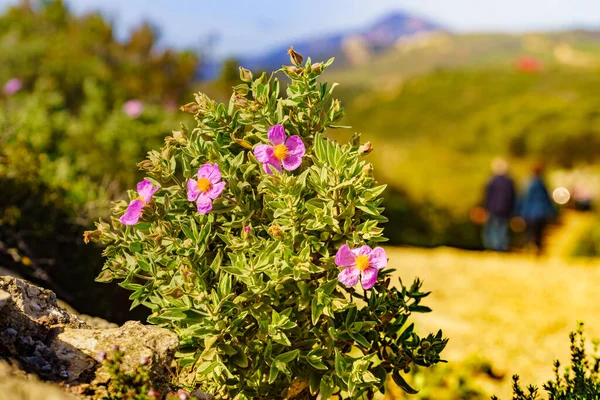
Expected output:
(47, 341)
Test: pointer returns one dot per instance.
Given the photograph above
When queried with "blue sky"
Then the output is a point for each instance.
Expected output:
(243, 27)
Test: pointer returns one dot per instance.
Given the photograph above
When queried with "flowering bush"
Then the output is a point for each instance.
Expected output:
(253, 246)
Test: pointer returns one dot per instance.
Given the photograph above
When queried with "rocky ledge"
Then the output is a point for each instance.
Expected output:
(44, 342)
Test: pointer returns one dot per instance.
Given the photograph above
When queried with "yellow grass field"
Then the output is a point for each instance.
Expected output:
(516, 310)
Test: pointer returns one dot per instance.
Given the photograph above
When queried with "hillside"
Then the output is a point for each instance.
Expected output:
(436, 132)
(435, 50)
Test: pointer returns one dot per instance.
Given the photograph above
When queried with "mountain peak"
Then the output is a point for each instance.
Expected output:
(377, 36)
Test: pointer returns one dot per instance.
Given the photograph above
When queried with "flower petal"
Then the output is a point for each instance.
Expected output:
(344, 257)
(193, 191)
(295, 146)
(349, 276)
(145, 189)
(276, 134)
(275, 162)
(292, 162)
(133, 213)
(210, 172)
(263, 152)
(378, 258)
(363, 250)
(216, 190)
(204, 204)
(368, 278)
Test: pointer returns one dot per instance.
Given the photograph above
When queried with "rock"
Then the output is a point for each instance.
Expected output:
(14, 384)
(4, 297)
(47, 341)
(137, 341)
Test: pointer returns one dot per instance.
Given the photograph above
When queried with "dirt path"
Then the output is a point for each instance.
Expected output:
(514, 309)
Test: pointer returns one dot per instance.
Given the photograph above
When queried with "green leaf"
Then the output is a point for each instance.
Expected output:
(273, 373)
(360, 339)
(206, 368)
(288, 356)
(326, 387)
(316, 363)
(399, 380)
(316, 310)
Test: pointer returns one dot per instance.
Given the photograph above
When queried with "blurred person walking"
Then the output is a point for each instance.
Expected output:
(536, 208)
(500, 204)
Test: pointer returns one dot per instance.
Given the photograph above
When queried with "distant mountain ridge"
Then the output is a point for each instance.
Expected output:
(378, 36)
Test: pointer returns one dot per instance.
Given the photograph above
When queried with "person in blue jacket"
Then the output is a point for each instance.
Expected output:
(499, 204)
(536, 208)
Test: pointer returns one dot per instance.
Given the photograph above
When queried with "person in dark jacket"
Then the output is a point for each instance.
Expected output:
(500, 204)
(536, 208)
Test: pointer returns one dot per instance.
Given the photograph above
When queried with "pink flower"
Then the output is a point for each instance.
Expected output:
(283, 152)
(12, 86)
(133, 108)
(363, 261)
(145, 191)
(207, 188)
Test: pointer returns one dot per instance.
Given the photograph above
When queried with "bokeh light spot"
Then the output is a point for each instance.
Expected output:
(561, 195)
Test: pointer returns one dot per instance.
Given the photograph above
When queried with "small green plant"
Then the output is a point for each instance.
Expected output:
(132, 385)
(248, 239)
(580, 381)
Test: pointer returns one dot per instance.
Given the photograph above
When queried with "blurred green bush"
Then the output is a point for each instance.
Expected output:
(89, 107)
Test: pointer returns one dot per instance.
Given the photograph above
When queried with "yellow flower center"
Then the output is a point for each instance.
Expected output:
(280, 152)
(140, 198)
(203, 185)
(362, 262)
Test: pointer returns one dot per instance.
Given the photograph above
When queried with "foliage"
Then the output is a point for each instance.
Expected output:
(588, 244)
(123, 384)
(251, 288)
(579, 381)
(84, 46)
(67, 144)
(465, 380)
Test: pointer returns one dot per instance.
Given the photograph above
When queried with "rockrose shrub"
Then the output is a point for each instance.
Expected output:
(256, 239)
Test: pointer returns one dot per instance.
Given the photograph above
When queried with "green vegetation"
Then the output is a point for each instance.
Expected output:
(579, 381)
(68, 142)
(244, 262)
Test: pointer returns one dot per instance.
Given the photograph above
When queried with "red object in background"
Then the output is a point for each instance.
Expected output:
(478, 215)
(529, 64)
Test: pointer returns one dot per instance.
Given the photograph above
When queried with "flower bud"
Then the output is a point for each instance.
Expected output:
(425, 345)
(166, 152)
(275, 231)
(146, 164)
(291, 71)
(367, 169)
(183, 394)
(241, 101)
(101, 356)
(365, 149)
(93, 236)
(246, 232)
(295, 57)
(153, 393)
(145, 360)
(177, 138)
(317, 68)
(191, 108)
(245, 75)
